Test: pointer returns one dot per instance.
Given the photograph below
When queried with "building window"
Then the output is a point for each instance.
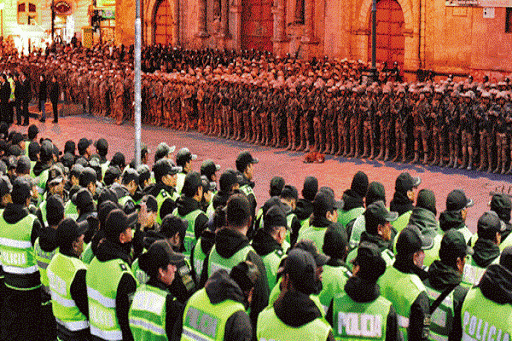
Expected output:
(27, 13)
(508, 20)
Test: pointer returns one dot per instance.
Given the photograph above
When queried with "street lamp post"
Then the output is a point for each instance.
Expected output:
(374, 39)
(53, 21)
(137, 87)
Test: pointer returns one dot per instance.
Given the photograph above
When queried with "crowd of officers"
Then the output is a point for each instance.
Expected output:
(330, 106)
(97, 249)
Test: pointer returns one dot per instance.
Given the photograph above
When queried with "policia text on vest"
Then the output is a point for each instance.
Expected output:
(475, 329)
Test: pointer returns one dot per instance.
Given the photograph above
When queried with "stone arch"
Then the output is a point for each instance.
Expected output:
(149, 19)
(365, 13)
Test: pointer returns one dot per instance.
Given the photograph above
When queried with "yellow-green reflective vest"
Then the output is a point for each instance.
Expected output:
(102, 281)
(43, 259)
(42, 179)
(316, 234)
(217, 262)
(70, 210)
(18, 255)
(42, 207)
(138, 273)
(61, 273)
(160, 198)
(345, 217)
(190, 236)
(123, 200)
(472, 273)
(203, 320)
(270, 327)
(402, 221)
(401, 289)
(357, 229)
(333, 283)
(360, 321)
(198, 258)
(441, 320)
(246, 189)
(431, 254)
(87, 255)
(483, 319)
(148, 313)
(271, 262)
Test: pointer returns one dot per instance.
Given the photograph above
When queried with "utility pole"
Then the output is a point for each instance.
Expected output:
(138, 98)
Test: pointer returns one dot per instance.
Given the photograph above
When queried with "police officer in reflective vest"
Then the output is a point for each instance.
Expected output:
(403, 199)
(444, 289)
(402, 285)
(488, 306)
(164, 190)
(189, 208)
(66, 276)
(294, 316)
(110, 282)
(245, 165)
(268, 241)
(304, 208)
(454, 216)
(128, 187)
(325, 213)
(487, 248)
(353, 199)
(22, 296)
(154, 311)
(218, 311)
(232, 247)
(361, 313)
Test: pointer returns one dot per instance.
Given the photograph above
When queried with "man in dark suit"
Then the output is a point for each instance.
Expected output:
(25, 97)
(5, 93)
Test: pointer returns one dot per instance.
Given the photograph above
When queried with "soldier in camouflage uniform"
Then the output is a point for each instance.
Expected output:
(467, 124)
(292, 112)
(420, 112)
(438, 128)
(385, 123)
(501, 111)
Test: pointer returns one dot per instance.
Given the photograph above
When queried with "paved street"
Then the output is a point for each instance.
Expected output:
(335, 172)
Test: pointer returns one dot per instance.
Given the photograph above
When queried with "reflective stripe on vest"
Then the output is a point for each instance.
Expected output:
(270, 327)
(355, 320)
(61, 273)
(472, 273)
(147, 314)
(203, 320)
(160, 198)
(217, 262)
(199, 257)
(441, 320)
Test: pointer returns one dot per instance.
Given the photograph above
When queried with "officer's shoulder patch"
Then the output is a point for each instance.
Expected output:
(123, 267)
(164, 193)
(279, 253)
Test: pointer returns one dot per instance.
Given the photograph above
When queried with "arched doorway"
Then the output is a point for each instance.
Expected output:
(390, 33)
(165, 23)
(257, 25)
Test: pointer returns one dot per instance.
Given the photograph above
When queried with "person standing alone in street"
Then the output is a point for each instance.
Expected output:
(54, 92)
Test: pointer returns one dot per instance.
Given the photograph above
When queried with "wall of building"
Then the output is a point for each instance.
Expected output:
(438, 37)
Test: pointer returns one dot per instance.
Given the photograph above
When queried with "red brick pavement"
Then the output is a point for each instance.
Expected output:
(335, 172)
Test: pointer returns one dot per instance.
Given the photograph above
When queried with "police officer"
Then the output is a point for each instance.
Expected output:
(154, 313)
(444, 286)
(325, 213)
(164, 189)
(245, 165)
(294, 314)
(218, 311)
(66, 275)
(353, 205)
(184, 160)
(110, 283)
(487, 247)
(188, 208)
(361, 303)
(488, 303)
(22, 298)
(454, 216)
(402, 285)
(126, 190)
(403, 198)
(378, 231)
(232, 247)
(268, 241)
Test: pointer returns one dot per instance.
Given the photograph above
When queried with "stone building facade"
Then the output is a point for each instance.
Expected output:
(447, 36)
